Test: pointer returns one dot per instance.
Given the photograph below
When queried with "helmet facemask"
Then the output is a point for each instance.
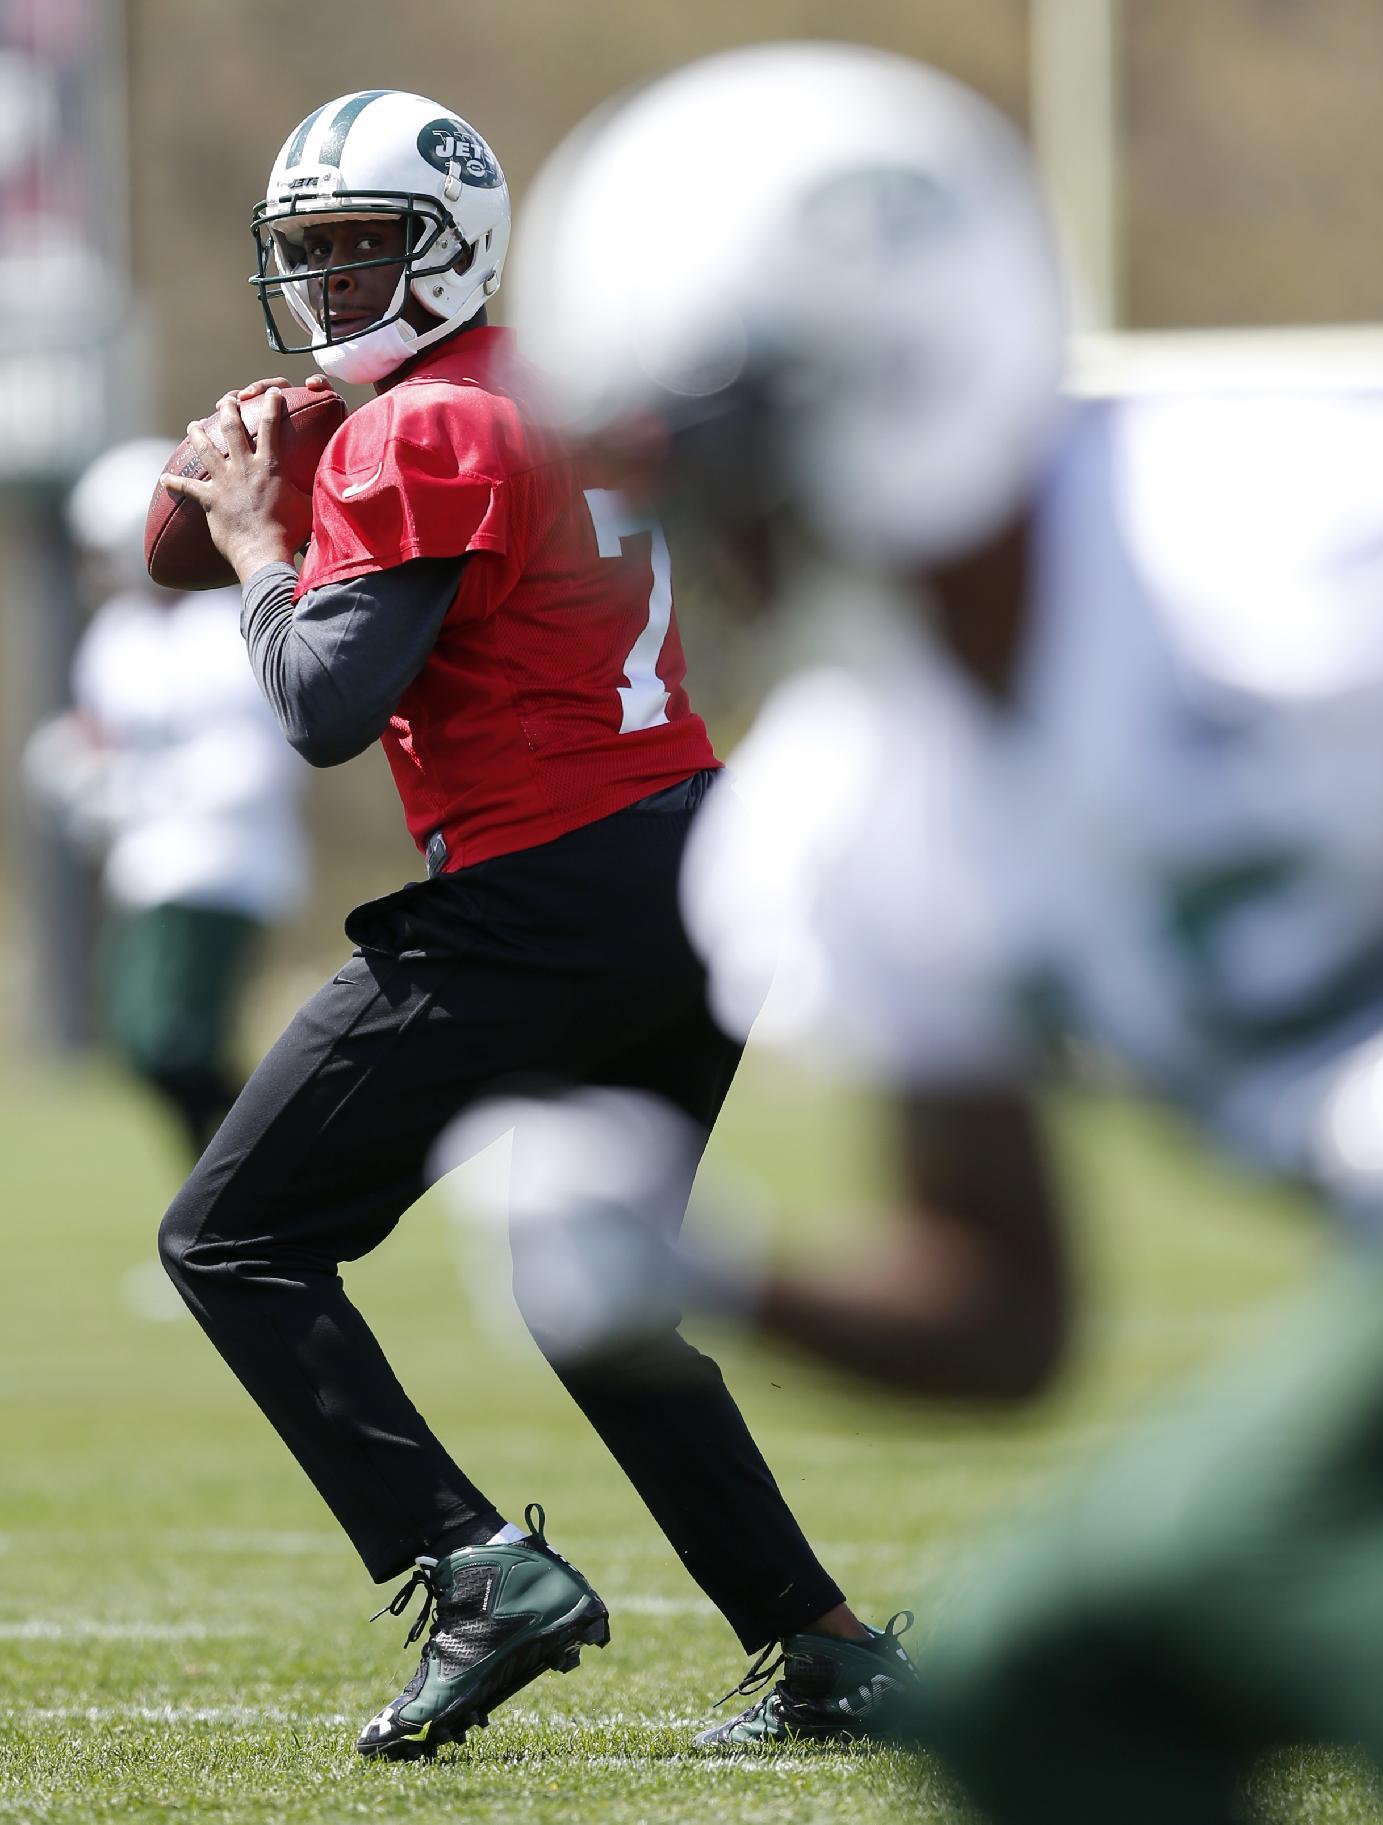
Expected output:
(432, 248)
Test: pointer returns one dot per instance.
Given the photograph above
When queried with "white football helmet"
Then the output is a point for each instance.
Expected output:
(383, 153)
(827, 270)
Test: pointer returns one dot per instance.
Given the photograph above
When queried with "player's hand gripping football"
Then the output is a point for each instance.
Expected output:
(315, 383)
(254, 514)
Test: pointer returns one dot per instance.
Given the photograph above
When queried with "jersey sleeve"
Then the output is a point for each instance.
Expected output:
(422, 478)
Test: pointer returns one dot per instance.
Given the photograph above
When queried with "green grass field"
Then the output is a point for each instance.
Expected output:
(182, 1634)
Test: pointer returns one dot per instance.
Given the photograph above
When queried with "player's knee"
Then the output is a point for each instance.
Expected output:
(172, 1244)
(176, 1238)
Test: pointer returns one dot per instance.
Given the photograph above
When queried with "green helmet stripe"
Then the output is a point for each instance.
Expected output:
(343, 121)
(295, 151)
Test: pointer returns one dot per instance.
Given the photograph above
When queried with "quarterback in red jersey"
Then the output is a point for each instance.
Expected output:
(504, 624)
(555, 696)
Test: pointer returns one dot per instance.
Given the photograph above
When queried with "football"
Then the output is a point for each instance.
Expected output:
(177, 545)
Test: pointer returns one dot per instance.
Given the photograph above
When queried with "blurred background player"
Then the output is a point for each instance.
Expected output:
(170, 767)
(1090, 753)
(504, 625)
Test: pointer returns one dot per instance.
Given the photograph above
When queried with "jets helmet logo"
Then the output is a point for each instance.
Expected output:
(449, 143)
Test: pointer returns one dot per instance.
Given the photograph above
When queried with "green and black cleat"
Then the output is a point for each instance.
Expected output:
(831, 1691)
(501, 1615)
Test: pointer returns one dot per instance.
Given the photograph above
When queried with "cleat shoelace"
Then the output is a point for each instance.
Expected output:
(763, 1669)
(398, 1603)
(756, 1678)
(421, 1579)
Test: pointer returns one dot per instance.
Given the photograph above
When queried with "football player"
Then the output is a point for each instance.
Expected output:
(1091, 749)
(501, 620)
(170, 768)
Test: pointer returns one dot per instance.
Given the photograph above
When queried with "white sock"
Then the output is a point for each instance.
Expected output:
(506, 1535)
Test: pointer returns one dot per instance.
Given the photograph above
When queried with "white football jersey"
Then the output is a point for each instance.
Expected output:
(201, 791)
(1168, 844)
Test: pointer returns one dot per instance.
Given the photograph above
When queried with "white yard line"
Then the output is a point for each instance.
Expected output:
(43, 1628)
(52, 1628)
(281, 1544)
(633, 1603)
(286, 1543)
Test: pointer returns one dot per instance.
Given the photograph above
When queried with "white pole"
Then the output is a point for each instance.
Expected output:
(1077, 133)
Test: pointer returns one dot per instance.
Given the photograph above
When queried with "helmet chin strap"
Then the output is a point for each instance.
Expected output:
(375, 353)
(371, 356)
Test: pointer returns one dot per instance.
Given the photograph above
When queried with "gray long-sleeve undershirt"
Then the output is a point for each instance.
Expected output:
(335, 665)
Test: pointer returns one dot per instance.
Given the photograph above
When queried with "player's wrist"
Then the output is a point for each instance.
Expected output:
(265, 547)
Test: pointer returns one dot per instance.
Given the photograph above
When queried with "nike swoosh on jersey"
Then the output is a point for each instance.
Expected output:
(360, 487)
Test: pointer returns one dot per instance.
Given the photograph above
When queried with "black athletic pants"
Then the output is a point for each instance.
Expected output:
(561, 964)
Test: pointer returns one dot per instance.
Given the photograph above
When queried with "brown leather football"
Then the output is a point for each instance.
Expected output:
(177, 545)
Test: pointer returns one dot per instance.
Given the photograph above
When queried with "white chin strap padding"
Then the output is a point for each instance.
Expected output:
(370, 356)
(376, 353)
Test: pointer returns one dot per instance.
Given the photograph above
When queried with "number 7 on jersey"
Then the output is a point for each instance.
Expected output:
(643, 700)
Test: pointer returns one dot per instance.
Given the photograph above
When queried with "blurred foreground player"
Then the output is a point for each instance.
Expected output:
(503, 623)
(170, 767)
(1098, 740)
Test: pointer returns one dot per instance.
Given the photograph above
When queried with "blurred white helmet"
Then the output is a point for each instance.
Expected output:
(107, 508)
(828, 268)
(382, 153)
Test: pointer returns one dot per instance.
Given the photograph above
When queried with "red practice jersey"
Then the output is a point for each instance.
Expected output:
(554, 694)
